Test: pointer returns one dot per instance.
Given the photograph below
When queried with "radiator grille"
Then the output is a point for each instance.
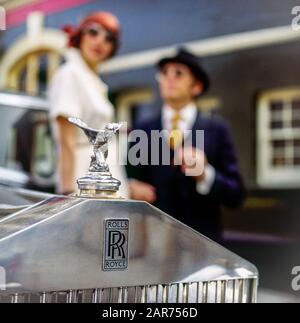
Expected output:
(222, 291)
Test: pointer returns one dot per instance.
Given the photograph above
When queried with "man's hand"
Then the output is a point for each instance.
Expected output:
(193, 162)
(142, 191)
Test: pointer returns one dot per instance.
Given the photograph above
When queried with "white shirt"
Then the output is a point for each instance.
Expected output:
(188, 118)
(76, 91)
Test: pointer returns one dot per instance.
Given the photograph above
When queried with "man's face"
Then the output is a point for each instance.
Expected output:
(177, 83)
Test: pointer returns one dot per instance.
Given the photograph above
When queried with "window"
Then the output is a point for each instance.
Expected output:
(129, 103)
(278, 138)
(26, 142)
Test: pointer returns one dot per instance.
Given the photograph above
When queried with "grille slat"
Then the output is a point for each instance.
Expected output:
(205, 292)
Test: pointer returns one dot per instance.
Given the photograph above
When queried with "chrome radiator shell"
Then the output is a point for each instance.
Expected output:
(53, 252)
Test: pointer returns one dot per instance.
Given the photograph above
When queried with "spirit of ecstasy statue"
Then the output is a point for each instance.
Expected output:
(98, 181)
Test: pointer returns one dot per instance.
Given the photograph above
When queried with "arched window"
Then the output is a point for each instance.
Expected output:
(30, 63)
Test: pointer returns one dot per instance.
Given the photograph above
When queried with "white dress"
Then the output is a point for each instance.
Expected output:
(76, 91)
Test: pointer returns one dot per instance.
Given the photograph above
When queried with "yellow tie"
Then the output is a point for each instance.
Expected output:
(176, 135)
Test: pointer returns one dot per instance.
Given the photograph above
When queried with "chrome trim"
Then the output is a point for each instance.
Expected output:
(23, 101)
(20, 196)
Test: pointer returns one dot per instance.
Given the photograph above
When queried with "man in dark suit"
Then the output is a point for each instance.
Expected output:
(214, 180)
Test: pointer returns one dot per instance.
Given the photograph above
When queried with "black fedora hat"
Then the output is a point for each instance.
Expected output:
(185, 57)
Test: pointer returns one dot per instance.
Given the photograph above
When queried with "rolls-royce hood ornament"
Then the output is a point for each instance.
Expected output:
(98, 182)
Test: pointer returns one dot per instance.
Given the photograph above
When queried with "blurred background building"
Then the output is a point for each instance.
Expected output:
(252, 54)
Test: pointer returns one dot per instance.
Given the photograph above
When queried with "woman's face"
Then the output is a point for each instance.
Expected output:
(96, 44)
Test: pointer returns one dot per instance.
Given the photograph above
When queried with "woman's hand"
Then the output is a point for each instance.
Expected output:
(66, 156)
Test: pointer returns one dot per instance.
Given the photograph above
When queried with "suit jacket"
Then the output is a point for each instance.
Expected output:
(176, 192)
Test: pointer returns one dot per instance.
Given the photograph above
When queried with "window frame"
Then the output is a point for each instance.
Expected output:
(268, 176)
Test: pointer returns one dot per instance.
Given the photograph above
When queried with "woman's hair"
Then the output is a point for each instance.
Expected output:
(106, 19)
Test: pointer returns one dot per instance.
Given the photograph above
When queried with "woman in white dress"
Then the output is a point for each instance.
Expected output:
(76, 90)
